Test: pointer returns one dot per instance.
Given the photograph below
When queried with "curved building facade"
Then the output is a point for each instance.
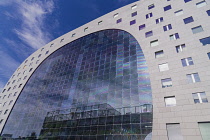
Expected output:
(140, 72)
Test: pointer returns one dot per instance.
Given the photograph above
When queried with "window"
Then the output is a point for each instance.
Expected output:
(3, 90)
(200, 97)
(1, 121)
(115, 15)
(42, 49)
(20, 85)
(193, 78)
(163, 67)
(149, 15)
(187, 61)
(204, 129)
(100, 22)
(167, 27)
(85, 29)
(188, 20)
(15, 94)
(132, 22)
(174, 36)
(37, 61)
(46, 52)
(51, 44)
(73, 35)
(159, 54)
(151, 6)
(179, 12)
(10, 102)
(8, 83)
(167, 8)
(205, 41)
(9, 89)
(119, 20)
(201, 4)
(141, 27)
(19, 79)
(15, 87)
(166, 82)
(0, 112)
(4, 103)
(24, 77)
(134, 14)
(174, 132)
(180, 48)
(134, 6)
(197, 29)
(154, 43)
(13, 81)
(208, 12)
(9, 95)
(208, 55)
(5, 111)
(148, 34)
(170, 101)
(30, 69)
(159, 20)
(39, 55)
(26, 61)
(3, 96)
(186, 1)
(32, 58)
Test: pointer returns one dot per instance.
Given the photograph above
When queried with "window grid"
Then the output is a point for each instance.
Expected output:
(159, 20)
(151, 6)
(174, 36)
(200, 97)
(180, 48)
(167, 27)
(193, 78)
(187, 61)
(166, 8)
(149, 15)
(148, 34)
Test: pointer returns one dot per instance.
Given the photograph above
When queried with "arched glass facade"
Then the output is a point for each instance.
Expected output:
(96, 87)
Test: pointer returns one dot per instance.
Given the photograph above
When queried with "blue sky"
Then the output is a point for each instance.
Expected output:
(27, 25)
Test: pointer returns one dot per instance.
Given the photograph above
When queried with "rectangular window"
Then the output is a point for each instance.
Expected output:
(134, 6)
(208, 12)
(85, 29)
(187, 61)
(170, 101)
(179, 12)
(188, 20)
(100, 22)
(154, 43)
(148, 34)
(163, 67)
(149, 15)
(115, 15)
(151, 6)
(201, 4)
(73, 34)
(200, 97)
(186, 1)
(180, 48)
(132, 22)
(174, 132)
(167, 8)
(159, 20)
(193, 78)
(119, 20)
(197, 29)
(159, 54)
(134, 14)
(205, 41)
(174, 36)
(166, 82)
(204, 129)
(141, 27)
(208, 55)
(167, 27)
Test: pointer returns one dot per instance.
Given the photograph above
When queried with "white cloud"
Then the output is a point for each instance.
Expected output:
(32, 16)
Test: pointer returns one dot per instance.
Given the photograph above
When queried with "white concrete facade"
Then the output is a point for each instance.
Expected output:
(186, 112)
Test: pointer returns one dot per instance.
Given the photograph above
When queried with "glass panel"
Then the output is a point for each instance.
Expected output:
(205, 129)
(197, 29)
(174, 132)
(205, 41)
(197, 78)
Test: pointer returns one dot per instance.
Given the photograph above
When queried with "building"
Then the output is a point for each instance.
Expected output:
(150, 58)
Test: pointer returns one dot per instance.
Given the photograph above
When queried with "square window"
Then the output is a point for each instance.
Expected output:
(193, 78)
(154, 43)
(159, 20)
(148, 34)
(200, 97)
(201, 4)
(208, 55)
(149, 15)
(141, 27)
(151, 6)
(197, 29)
(187, 61)
(167, 27)
(166, 82)
(134, 14)
(187, 1)
(180, 48)
(132, 22)
(205, 41)
(163, 67)
(179, 12)
(170, 101)
(119, 20)
(159, 54)
(174, 36)
(167, 8)
(188, 20)
(208, 12)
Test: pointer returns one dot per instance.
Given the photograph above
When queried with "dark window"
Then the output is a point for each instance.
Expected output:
(208, 55)
(132, 22)
(149, 15)
(188, 20)
(141, 27)
(159, 20)
(167, 27)
(151, 6)
(119, 20)
(148, 34)
(208, 12)
(167, 8)
(205, 41)
(186, 1)
(134, 14)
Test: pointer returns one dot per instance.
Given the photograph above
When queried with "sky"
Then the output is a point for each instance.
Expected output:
(27, 25)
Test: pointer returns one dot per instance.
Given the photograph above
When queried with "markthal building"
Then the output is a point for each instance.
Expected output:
(141, 72)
